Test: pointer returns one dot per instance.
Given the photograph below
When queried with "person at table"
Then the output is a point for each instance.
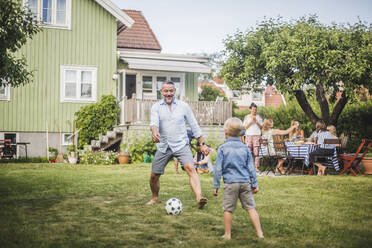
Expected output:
(324, 149)
(296, 134)
(253, 124)
(267, 133)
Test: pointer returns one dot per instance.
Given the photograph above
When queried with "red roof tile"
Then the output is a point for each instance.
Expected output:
(139, 36)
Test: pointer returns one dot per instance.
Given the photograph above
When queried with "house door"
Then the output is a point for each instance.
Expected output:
(130, 85)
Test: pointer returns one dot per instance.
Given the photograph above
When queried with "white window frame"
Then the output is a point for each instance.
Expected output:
(256, 98)
(154, 75)
(64, 143)
(6, 96)
(53, 23)
(78, 98)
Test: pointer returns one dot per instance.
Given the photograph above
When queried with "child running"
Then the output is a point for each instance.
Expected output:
(235, 164)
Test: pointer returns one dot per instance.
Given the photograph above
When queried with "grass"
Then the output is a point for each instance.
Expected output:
(51, 205)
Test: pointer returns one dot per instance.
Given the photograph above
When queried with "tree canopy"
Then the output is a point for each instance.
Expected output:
(16, 25)
(209, 93)
(303, 58)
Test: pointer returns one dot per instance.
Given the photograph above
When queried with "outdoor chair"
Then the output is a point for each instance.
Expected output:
(327, 161)
(280, 149)
(267, 160)
(352, 161)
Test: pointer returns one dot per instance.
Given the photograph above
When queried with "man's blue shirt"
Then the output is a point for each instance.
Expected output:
(171, 124)
(234, 163)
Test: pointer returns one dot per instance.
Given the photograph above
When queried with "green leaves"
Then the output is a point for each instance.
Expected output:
(16, 25)
(297, 55)
(96, 118)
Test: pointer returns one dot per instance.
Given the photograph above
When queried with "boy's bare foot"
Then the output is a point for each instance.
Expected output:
(226, 237)
(202, 202)
(260, 235)
(152, 201)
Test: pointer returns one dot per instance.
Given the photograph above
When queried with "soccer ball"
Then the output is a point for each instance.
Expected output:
(173, 206)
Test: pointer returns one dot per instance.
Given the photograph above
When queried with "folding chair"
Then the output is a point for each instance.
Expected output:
(267, 160)
(328, 161)
(352, 161)
(280, 149)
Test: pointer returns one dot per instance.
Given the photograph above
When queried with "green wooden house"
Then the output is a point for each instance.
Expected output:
(80, 55)
(74, 59)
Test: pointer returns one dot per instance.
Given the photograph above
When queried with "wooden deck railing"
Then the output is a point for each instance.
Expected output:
(206, 113)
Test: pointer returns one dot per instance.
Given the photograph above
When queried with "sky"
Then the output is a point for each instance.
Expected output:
(200, 26)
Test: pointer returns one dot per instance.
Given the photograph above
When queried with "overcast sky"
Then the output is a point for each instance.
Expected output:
(199, 26)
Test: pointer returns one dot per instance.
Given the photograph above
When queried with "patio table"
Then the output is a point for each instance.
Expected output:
(304, 151)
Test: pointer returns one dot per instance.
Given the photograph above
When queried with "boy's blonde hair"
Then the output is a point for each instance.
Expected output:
(233, 127)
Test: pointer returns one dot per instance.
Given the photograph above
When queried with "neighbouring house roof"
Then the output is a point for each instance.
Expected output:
(165, 62)
(116, 12)
(139, 36)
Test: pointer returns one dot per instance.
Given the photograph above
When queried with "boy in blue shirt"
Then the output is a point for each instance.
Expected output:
(235, 164)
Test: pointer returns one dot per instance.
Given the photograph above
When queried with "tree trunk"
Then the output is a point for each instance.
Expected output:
(340, 105)
(302, 101)
(323, 103)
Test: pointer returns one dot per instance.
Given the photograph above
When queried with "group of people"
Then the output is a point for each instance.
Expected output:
(256, 129)
(234, 162)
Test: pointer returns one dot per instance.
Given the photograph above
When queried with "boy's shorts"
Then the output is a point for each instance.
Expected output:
(161, 160)
(233, 191)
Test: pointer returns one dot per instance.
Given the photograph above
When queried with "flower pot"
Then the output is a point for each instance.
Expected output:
(72, 160)
(123, 159)
(367, 165)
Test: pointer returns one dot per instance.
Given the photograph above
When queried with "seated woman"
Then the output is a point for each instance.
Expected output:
(267, 133)
(201, 161)
(296, 134)
(324, 149)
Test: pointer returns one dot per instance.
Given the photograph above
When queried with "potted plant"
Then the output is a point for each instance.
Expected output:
(123, 156)
(52, 152)
(72, 154)
(367, 163)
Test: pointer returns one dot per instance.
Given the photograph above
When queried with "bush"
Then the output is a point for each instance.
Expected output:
(355, 122)
(96, 118)
(140, 144)
(88, 157)
(25, 160)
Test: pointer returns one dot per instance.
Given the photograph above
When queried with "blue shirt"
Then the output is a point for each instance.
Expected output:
(171, 124)
(234, 163)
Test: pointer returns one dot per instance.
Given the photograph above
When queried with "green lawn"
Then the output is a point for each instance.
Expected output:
(51, 205)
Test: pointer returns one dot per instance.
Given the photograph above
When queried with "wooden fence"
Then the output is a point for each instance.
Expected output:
(206, 113)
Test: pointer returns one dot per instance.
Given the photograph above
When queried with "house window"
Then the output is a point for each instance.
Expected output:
(66, 139)
(152, 83)
(51, 13)
(147, 84)
(78, 84)
(257, 96)
(5, 92)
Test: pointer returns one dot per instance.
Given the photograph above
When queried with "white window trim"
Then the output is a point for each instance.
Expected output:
(155, 74)
(78, 68)
(67, 143)
(66, 26)
(6, 97)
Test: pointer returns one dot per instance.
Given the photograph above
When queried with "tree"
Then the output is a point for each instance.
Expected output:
(209, 93)
(16, 25)
(303, 58)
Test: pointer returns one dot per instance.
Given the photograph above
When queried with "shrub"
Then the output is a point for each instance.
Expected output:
(96, 118)
(355, 122)
(88, 157)
(140, 144)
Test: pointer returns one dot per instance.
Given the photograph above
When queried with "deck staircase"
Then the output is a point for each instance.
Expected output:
(109, 141)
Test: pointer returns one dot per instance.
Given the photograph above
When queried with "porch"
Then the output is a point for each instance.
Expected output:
(137, 111)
